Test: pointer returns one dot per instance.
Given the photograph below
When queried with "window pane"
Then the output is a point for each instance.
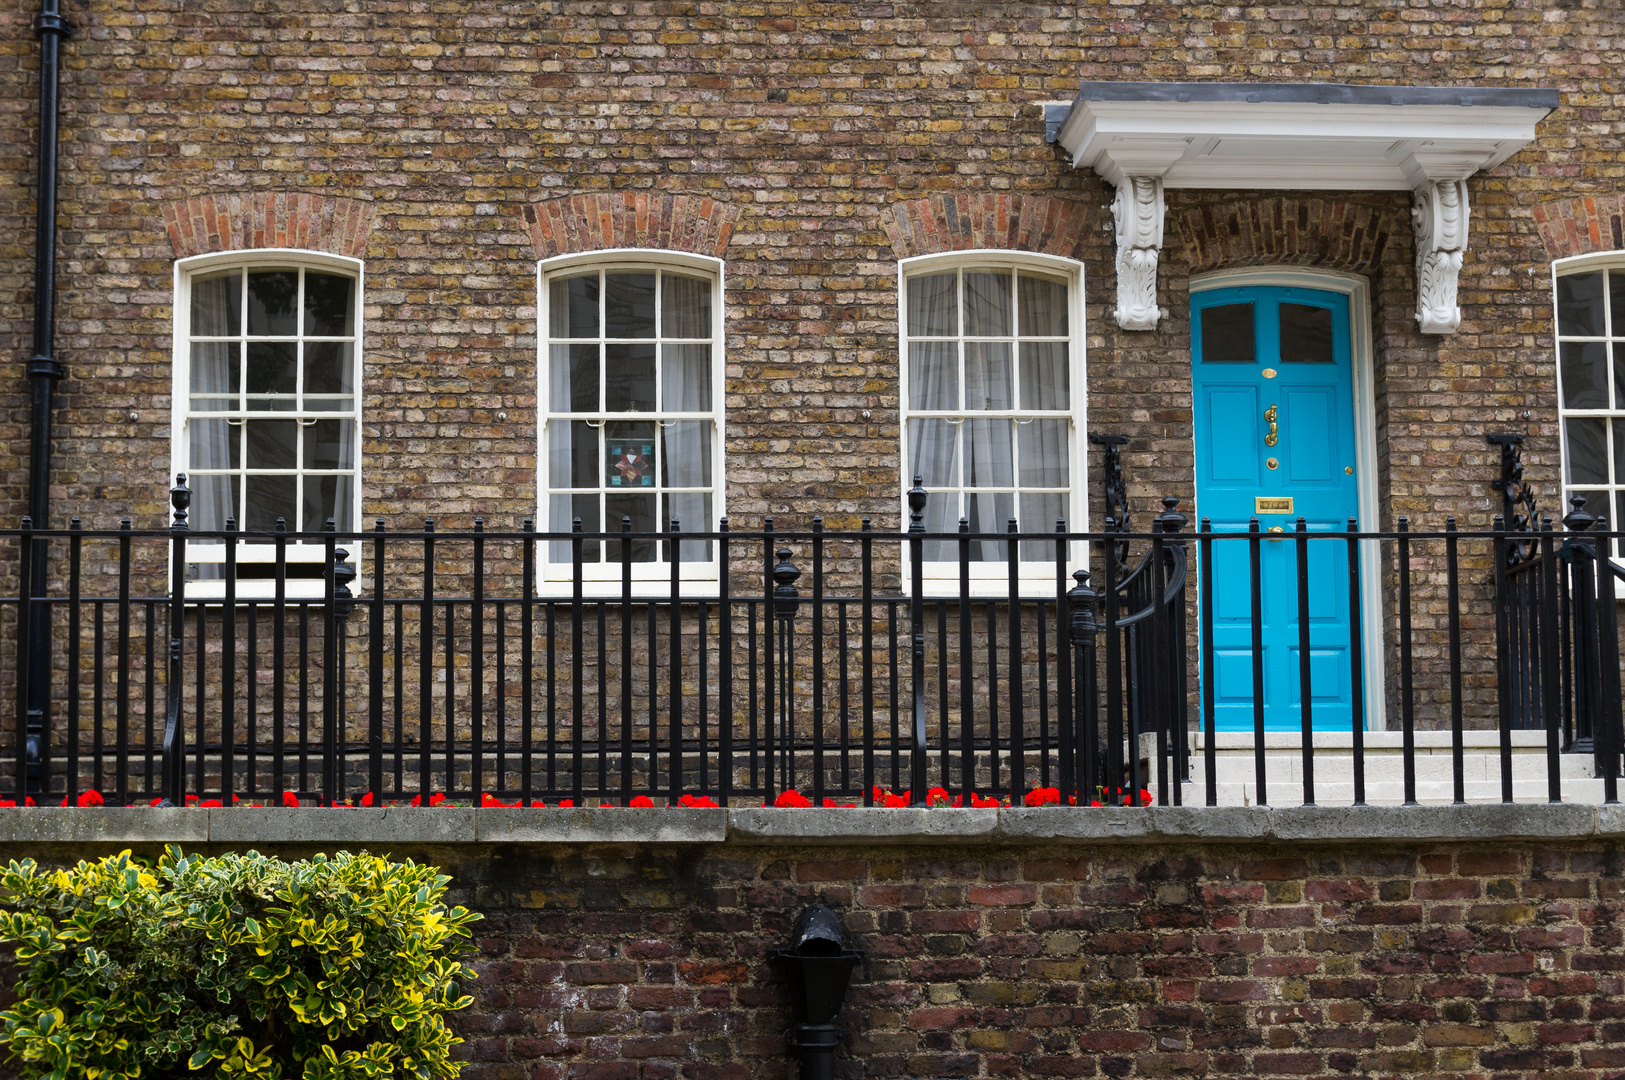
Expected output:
(1227, 334)
(1046, 380)
(329, 306)
(215, 369)
(330, 444)
(214, 499)
(1579, 305)
(641, 509)
(329, 367)
(629, 305)
(573, 307)
(561, 510)
(1616, 300)
(692, 511)
(987, 454)
(1587, 450)
(1585, 374)
(1306, 334)
(271, 367)
(933, 305)
(572, 454)
(629, 378)
(932, 454)
(573, 381)
(269, 498)
(685, 453)
(989, 513)
(1043, 448)
(272, 444)
(272, 295)
(1039, 512)
(1041, 306)
(933, 375)
(629, 455)
(329, 497)
(987, 303)
(1619, 450)
(687, 378)
(217, 304)
(214, 444)
(989, 380)
(685, 306)
(941, 516)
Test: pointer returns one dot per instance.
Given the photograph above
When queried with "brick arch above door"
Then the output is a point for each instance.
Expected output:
(572, 224)
(205, 224)
(965, 222)
(1336, 233)
(1582, 225)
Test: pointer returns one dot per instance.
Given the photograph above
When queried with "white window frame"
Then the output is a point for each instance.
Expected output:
(258, 551)
(603, 579)
(1597, 261)
(991, 579)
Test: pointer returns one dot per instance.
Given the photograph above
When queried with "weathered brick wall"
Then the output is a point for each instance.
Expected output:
(1376, 961)
(797, 140)
(605, 962)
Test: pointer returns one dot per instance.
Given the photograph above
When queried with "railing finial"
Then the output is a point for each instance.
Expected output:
(180, 497)
(916, 505)
(786, 599)
(1577, 520)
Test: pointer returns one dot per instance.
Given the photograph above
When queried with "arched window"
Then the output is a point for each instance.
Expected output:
(1590, 315)
(993, 396)
(631, 405)
(267, 381)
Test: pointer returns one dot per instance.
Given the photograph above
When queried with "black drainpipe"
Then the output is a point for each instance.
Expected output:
(43, 372)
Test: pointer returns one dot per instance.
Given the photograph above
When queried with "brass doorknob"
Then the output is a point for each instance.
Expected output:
(1276, 529)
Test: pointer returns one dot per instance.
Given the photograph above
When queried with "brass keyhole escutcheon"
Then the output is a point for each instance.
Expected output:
(1348, 470)
(1269, 418)
(1272, 464)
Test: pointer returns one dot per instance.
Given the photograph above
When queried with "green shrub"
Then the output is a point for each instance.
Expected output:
(239, 967)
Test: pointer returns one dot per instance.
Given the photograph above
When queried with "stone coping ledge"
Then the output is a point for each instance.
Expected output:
(851, 827)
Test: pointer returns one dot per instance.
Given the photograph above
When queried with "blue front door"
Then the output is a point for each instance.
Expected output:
(1264, 356)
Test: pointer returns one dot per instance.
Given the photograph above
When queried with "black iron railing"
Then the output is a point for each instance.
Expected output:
(798, 668)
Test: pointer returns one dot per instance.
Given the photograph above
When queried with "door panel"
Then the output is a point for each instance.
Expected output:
(1300, 363)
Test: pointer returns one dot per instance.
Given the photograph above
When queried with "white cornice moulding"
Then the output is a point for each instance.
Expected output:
(1142, 138)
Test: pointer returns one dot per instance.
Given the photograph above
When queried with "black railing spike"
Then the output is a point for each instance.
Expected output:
(1577, 520)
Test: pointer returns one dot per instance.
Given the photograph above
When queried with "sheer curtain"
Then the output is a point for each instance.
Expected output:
(215, 379)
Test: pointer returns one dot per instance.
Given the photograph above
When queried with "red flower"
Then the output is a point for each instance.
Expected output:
(290, 799)
(434, 800)
(792, 798)
(156, 801)
(566, 804)
(1044, 796)
(209, 802)
(642, 801)
(696, 801)
(936, 797)
(366, 800)
(536, 804)
(831, 804)
(979, 802)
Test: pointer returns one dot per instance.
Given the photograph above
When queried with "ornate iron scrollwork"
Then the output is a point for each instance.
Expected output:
(1517, 497)
(1114, 488)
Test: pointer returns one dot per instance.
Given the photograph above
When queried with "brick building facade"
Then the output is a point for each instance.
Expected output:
(454, 162)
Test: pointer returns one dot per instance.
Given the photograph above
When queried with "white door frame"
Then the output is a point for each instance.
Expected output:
(1358, 291)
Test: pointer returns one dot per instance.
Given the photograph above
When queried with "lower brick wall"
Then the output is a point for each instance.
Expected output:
(619, 963)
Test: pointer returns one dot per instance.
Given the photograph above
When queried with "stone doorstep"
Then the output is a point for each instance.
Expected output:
(855, 827)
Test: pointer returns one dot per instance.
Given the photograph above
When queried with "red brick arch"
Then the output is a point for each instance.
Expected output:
(268, 219)
(969, 222)
(1331, 231)
(1581, 226)
(631, 219)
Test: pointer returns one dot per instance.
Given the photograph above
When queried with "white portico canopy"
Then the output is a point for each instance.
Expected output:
(1145, 137)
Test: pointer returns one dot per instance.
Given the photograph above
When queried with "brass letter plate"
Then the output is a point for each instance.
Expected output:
(1266, 504)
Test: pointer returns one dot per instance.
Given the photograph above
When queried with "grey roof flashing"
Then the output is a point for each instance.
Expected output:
(1303, 93)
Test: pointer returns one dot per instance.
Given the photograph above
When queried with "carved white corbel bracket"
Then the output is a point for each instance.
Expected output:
(1138, 209)
(1440, 217)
